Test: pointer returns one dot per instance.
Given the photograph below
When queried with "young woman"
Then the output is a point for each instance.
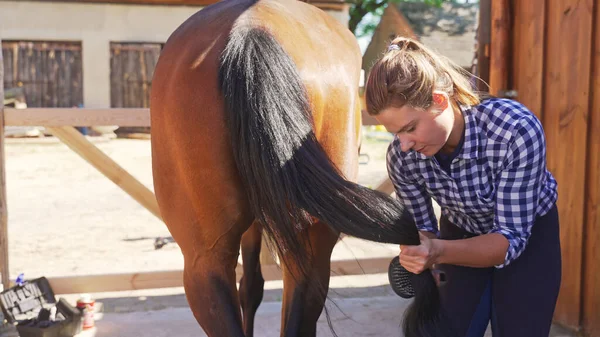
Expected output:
(484, 163)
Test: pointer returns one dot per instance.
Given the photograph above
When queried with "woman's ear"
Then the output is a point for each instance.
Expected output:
(440, 100)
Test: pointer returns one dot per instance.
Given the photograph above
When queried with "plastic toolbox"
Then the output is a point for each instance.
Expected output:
(32, 307)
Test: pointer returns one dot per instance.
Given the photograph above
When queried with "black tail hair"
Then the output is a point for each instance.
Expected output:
(288, 176)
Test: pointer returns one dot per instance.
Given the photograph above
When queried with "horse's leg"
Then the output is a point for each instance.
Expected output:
(208, 229)
(210, 287)
(302, 306)
(252, 282)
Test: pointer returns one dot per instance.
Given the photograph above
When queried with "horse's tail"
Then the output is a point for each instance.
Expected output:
(287, 174)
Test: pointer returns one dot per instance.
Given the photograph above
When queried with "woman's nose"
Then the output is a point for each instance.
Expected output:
(406, 144)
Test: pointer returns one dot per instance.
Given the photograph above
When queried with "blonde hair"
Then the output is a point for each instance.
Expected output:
(408, 73)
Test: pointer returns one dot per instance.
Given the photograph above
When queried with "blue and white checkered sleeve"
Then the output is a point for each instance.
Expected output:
(519, 187)
(410, 194)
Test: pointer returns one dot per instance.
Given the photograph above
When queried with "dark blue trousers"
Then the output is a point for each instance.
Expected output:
(519, 299)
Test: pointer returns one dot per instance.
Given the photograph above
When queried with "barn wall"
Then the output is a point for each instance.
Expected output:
(555, 70)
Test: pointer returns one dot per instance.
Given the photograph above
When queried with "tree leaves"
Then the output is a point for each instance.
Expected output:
(360, 8)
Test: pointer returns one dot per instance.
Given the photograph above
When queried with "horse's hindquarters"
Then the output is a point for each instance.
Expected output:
(328, 61)
(198, 180)
(195, 178)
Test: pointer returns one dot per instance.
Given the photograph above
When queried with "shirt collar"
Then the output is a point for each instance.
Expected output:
(470, 148)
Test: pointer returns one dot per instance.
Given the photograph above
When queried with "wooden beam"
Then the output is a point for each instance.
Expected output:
(174, 278)
(528, 53)
(77, 117)
(323, 4)
(141, 2)
(566, 117)
(483, 45)
(96, 117)
(78, 143)
(499, 47)
(376, 265)
(116, 282)
(591, 267)
(4, 270)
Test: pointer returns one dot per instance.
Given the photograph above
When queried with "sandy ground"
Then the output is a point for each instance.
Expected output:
(65, 218)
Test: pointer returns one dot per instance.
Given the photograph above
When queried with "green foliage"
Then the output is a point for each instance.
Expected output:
(360, 8)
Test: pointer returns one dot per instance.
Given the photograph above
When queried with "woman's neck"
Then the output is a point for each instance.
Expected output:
(457, 129)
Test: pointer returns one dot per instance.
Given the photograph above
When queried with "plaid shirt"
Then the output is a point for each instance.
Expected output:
(498, 182)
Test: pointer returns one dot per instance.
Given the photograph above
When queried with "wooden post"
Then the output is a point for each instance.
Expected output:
(3, 210)
(527, 66)
(591, 268)
(500, 47)
(567, 68)
(483, 45)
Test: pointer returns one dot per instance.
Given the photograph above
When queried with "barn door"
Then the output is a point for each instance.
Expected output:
(131, 69)
(49, 73)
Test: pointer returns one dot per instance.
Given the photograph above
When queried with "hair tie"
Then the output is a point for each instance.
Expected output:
(393, 47)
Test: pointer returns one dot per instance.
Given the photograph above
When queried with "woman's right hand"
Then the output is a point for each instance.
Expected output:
(417, 259)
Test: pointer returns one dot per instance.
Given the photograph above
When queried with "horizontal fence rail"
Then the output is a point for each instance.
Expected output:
(174, 278)
(91, 117)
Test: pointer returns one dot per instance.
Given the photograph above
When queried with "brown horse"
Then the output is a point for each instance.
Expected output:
(255, 126)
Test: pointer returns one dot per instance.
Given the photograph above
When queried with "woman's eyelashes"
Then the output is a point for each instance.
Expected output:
(409, 129)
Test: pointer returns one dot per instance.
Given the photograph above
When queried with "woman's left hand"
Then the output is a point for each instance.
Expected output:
(417, 259)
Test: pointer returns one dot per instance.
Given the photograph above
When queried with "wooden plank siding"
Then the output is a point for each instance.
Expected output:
(500, 34)
(49, 72)
(131, 70)
(484, 36)
(565, 116)
(591, 244)
(528, 44)
(556, 73)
